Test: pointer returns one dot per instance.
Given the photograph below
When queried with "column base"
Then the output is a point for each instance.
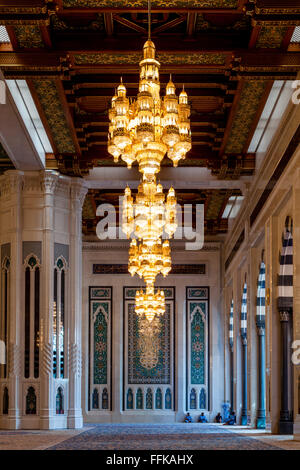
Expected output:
(286, 427)
(244, 420)
(75, 419)
(48, 422)
(11, 424)
(261, 423)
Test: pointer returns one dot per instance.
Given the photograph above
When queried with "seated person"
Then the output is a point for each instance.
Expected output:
(231, 420)
(202, 418)
(188, 418)
(218, 418)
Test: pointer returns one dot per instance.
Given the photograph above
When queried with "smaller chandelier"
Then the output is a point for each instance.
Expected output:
(150, 214)
(149, 261)
(150, 303)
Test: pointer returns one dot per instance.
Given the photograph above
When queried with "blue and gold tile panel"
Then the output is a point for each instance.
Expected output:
(197, 305)
(100, 348)
(149, 364)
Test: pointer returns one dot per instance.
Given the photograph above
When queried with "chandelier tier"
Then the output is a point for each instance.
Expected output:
(149, 261)
(149, 303)
(151, 214)
(144, 130)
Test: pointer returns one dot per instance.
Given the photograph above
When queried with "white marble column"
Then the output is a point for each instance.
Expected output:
(272, 246)
(78, 192)
(296, 303)
(10, 202)
(254, 256)
(48, 180)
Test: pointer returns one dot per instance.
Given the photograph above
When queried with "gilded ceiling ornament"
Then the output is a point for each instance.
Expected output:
(132, 58)
(155, 3)
(29, 36)
(271, 37)
(249, 102)
(52, 107)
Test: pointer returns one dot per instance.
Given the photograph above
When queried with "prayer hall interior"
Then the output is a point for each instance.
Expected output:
(149, 223)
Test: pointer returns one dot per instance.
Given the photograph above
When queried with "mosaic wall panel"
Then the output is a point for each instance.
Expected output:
(149, 364)
(197, 302)
(100, 348)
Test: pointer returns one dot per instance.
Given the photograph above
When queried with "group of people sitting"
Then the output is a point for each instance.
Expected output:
(202, 418)
(230, 421)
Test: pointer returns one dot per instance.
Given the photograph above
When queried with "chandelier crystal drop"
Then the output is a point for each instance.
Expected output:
(145, 130)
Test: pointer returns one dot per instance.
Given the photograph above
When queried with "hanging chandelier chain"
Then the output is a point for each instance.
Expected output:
(149, 20)
(145, 130)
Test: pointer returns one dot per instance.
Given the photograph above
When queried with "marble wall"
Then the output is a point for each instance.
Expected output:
(176, 338)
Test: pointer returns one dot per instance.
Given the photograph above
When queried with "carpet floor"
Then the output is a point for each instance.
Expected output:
(161, 437)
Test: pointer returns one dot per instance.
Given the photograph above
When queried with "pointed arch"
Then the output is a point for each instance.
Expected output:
(60, 401)
(32, 262)
(168, 399)
(139, 399)
(31, 401)
(202, 399)
(5, 401)
(32, 268)
(59, 307)
(129, 399)
(149, 399)
(158, 399)
(104, 399)
(193, 399)
(61, 263)
(95, 399)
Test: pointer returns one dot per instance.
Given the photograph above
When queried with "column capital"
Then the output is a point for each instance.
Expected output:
(78, 190)
(11, 182)
(48, 181)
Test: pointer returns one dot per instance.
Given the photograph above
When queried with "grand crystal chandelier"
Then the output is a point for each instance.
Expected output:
(145, 130)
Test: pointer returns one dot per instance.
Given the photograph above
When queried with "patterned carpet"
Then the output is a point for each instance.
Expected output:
(160, 437)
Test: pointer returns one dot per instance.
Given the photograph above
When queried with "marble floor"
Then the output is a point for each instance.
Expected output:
(147, 437)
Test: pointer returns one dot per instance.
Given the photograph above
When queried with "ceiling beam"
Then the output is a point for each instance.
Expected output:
(191, 23)
(53, 61)
(169, 24)
(15, 137)
(109, 23)
(129, 24)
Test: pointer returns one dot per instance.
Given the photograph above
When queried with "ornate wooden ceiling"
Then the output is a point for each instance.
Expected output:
(227, 53)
